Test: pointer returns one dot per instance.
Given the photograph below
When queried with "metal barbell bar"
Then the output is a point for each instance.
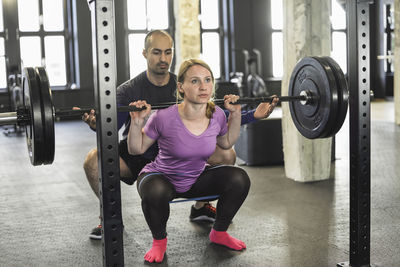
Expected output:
(317, 96)
(23, 118)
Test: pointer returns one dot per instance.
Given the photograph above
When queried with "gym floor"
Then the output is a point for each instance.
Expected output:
(47, 212)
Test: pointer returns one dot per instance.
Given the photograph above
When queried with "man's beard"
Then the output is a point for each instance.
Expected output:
(160, 71)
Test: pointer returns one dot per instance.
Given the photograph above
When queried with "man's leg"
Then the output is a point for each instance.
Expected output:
(204, 211)
(92, 174)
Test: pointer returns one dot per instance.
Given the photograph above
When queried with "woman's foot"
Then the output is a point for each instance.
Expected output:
(157, 251)
(223, 238)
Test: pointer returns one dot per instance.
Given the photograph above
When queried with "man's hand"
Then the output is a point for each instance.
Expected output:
(263, 110)
(90, 118)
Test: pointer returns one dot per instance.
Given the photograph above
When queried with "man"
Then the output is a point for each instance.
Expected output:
(155, 85)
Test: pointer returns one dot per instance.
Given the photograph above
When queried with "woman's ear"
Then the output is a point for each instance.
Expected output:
(180, 89)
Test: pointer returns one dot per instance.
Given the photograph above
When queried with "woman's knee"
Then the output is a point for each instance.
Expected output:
(155, 189)
(240, 179)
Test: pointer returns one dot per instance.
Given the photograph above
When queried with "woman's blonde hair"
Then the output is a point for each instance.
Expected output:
(185, 66)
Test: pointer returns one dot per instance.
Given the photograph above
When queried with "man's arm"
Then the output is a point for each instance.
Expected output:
(262, 111)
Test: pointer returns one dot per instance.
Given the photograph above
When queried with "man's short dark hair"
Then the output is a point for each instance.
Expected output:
(147, 39)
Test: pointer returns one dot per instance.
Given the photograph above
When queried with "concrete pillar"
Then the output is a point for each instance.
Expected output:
(187, 31)
(306, 32)
(396, 86)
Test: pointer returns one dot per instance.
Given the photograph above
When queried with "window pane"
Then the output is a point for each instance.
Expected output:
(276, 14)
(1, 17)
(392, 22)
(53, 17)
(393, 46)
(277, 54)
(339, 49)
(157, 13)
(137, 62)
(209, 14)
(31, 55)
(3, 73)
(137, 14)
(385, 51)
(338, 18)
(28, 15)
(210, 53)
(55, 60)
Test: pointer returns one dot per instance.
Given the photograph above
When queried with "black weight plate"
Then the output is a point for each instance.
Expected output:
(343, 94)
(335, 98)
(47, 114)
(312, 119)
(34, 130)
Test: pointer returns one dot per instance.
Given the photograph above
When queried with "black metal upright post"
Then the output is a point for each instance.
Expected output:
(360, 133)
(104, 64)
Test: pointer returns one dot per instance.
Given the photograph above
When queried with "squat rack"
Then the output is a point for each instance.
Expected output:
(358, 53)
(104, 64)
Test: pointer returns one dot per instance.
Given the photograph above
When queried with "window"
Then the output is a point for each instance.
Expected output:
(144, 16)
(388, 40)
(277, 37)
(339, 39)
(42, 37)
(210, 38)
(3, 71)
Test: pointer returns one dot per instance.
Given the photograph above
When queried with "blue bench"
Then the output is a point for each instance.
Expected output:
(194, 199)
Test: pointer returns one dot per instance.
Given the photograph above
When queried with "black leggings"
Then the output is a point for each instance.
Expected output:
(230, 182)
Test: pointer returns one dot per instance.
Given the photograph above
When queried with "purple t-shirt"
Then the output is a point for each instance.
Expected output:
(182, 156)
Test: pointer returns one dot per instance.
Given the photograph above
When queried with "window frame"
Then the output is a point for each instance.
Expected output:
(170, 29)
(12, 35)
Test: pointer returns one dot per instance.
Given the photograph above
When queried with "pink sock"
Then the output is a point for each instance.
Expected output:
(223, 238)
(157, 251)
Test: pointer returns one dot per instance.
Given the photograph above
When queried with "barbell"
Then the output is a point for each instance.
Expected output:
(317, 96)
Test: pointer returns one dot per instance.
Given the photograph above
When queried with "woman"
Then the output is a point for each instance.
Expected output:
(187, 134)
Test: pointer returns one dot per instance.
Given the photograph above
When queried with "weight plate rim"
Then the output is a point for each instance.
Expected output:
(35, 140)
(335, 98)
(47, 115)
(343, 93)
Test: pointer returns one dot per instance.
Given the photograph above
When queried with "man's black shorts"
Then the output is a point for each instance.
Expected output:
(135, 163)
